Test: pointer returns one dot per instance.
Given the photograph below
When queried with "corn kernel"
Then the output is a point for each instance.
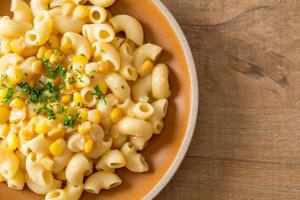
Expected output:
(12, 142)
(18, 45)
(41, 52)
(54, 41)
(27, 134)
(3, 93)
(68, 8)
(83, 115)
(105, 67)
(79, 62)
(41, 127)
(57, 147)
(81, 12)
(88, 146)
(47, 163)
(67, 98)
(56, 133)
(17, 103)
(15, 75)
(95, 116)
(116, 115)
(146, 68)
(103, 87)
(4, 129)
(5, 112)
(37, 67)
(84, 128)
(48, 53)
(77, 100)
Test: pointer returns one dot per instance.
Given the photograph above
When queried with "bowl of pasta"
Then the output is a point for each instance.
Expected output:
(98, 99)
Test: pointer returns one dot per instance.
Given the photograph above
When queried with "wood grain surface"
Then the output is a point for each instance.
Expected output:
(247, 142)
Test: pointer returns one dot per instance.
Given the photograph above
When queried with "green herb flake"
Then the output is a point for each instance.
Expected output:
(99, 94)
(9, 95)
(70, 121)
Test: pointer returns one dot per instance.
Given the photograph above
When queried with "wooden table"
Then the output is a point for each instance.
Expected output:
(247, 141)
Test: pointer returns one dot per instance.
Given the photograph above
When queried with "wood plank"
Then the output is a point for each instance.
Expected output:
(247, 141)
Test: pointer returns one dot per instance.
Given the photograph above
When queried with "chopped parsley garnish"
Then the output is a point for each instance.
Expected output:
(99, 94)
(46, 110)
(70, 121)
(53, 70)
(71, 80)
(62, 109)
(9, 95)
(41, 93)
(81, 79)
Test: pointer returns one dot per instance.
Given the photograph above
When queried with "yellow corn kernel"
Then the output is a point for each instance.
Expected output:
(103, 87)
(17, 103)
(105, 67)
(4, 129)
(83, 115)
(56, 133)
(84, 128)
(70, 86)
(68, 8)
(54, 41)
(88, 146)
(146, 68)
(47, 163)
(77, 100)
(81, 11)
(12, 142)
(5, 112)
(41, 52)
(79, 62)
(116, 115)
(18, 45)
(27, 134)
(48, 53)
(3, 93)
(37, 67)
(67, 98)
(95, 116)
(15, 75)
(57, 147)
(41, 127)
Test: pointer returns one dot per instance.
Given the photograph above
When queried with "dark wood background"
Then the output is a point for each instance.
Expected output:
(247, 140)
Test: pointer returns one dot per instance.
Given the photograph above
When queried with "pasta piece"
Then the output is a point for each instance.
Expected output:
(119, 141)
(111, 160)
(17, 182)
(100, 149)
(60, 162)
(135, 162)
(41, 31)
(142, 110)
(21, 10)
(130, 26)
(133, 127)
(9, 163)
(101, 180)
(68, 193)
(142, 88)
(75, 43)
(38, 6)
(98, 32)
(160, 111)
(106, 52)
(42, 190)
(76, 169)
(10, 28)
(139, 142)
(76, 143)
(160, 82)
(39, 145)
(146, 52)
(89, 99)
(118, 86)
(97, 14)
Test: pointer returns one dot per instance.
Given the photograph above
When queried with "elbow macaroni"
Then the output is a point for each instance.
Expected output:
(77, 99)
